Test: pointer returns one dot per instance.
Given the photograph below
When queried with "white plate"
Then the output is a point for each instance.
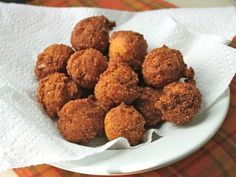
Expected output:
(175, 146)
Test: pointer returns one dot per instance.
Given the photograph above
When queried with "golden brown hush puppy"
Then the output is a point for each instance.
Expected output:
(80, 120)
(179, 102)
(53, 59)
(116, 85)
(85, 66)
(124, 121)
(54, 91)
(163, 66)
(145, 104)
(127, 47)
(92, 32)
(233, 42)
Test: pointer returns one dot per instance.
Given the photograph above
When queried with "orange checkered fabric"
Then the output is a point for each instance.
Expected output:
(216, 159)
(130, 5)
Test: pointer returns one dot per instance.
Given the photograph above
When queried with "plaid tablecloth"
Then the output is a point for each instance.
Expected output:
(216, 159)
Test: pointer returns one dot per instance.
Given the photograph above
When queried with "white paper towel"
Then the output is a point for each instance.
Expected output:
(28, 136)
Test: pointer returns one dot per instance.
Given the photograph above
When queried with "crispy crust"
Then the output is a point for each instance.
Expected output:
(124, 121)
(163, 66)
(81, 120)
(54, 91)
(145, 104)
(53, 59)
(92, 32)
(233, 42)
(85, 66)
(116, 85)
(127, 47)
(180, 102)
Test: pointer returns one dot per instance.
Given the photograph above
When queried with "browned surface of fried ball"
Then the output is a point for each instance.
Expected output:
(145, 104)
(53, 59)
(116, 85)
(124, 121)
(80, 120)
(163, 66)
(127, 47)
(180, 102)
(54, 91)
(233, 42)
(92, 32)
(85, 67)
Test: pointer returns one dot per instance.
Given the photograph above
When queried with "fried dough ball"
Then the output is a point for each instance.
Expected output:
(145, 104)
(54, 91)
(116, 85)
(53, 59)
(85, 66)
(80, 120)
(127, 47)
(180, 102)
(233, 42)
(163, 66)
(124, 121)
(92, 32)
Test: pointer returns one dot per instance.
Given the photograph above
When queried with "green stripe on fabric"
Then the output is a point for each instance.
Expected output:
(153, 5)
(167, 171)
(90, 3)
(230, 135)
(216, 162)
(72, 3)
(179, 171)
(226, 146)
(133, 5)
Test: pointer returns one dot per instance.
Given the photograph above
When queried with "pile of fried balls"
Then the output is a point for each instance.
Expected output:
(112, 85)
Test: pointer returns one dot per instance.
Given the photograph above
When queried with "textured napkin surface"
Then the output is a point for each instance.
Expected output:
(28, 136)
